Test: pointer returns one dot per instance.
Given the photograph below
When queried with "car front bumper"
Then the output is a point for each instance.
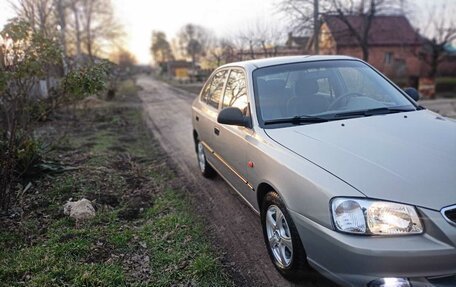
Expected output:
(428, 259)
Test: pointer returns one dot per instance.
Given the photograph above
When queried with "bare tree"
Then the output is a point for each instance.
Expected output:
(302, 17)
(239, 46)
(77, 27)
(82, 26)
(94, 26)
(61, 20)
(438, 33)
(247, 36)
(299, 13)
(124, 58)
(160, 48)
(261, 39)
(222, 51)
(194, 41)
(38, 13)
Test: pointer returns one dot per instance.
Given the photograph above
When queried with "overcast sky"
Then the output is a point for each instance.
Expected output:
(223, 17)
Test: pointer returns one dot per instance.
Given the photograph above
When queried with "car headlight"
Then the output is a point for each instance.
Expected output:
(373, 217)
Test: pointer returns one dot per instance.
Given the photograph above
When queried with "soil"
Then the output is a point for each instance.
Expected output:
(108, 155)
(32, 216)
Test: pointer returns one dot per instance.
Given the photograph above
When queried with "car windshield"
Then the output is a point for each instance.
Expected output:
(326, 90)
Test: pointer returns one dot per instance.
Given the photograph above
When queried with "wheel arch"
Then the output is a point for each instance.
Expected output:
(262, 189)
(195, 139)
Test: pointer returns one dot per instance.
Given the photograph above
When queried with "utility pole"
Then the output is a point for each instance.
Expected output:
(316, 28)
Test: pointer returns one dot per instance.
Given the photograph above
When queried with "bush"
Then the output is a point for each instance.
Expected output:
(87, 80)
(25, 58)
(446, 86)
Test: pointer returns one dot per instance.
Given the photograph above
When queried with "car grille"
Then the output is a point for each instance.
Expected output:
(450, 214)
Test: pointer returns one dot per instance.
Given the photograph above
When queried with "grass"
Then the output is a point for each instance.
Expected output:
(127, 89)
(143, 234)
(446, 80)
(194, 88)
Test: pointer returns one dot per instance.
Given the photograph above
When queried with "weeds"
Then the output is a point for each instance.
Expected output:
(143, 234)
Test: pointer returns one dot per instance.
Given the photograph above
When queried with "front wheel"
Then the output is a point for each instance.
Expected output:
(282, 239)
(206, 170)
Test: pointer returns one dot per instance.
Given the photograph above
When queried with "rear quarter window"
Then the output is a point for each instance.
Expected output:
(216, 89)
(205, 92)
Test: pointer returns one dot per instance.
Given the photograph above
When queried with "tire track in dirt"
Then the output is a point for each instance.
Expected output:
(235, 228)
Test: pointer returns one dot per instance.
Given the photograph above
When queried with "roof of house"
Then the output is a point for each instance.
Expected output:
(176, 64)
(384, 31)
(300, 41)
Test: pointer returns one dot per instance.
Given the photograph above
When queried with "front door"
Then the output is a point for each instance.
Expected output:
(230, 142)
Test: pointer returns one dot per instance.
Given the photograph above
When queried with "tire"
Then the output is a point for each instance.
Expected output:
(288, 255)
(206, 169)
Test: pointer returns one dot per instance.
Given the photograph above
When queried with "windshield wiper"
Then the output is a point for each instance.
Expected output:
(297, 120)
(373, 112)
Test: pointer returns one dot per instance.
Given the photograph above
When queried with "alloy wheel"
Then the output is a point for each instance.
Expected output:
(201, 157)
(279, 237)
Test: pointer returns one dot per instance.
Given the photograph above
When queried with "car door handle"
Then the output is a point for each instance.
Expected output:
(216, 131)
(197, 118)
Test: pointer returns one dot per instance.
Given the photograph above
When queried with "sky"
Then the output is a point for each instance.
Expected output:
(223, 17)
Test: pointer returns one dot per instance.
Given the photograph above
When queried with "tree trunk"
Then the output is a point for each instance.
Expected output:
(62, 23)
(77, 28)
(365, 49)
(265, 50)
(89, 38)
(252, 53)
(88, 6)
(434, 62)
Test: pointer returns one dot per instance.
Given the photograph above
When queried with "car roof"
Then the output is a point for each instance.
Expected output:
(260, 63)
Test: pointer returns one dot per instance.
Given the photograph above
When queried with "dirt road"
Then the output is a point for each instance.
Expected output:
(445, 107)
(233, 225)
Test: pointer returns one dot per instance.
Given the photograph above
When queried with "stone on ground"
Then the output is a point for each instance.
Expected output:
(79, 210)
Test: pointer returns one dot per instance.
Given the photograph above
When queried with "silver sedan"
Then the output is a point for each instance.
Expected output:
(350, 176)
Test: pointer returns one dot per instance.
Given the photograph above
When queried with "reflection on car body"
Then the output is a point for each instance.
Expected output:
(349, 175)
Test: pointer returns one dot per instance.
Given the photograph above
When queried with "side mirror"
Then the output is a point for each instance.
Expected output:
(413, 93)
(233, 116)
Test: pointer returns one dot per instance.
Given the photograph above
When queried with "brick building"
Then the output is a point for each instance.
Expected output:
(394, 45)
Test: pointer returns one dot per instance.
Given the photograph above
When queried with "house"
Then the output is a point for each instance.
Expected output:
(179, 69)
(294, 45)
(394, 45)
(298, 43)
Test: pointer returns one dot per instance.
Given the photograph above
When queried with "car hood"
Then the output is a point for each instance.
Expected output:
(405, 157)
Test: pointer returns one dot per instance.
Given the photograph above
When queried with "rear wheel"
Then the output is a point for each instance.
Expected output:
(282, 239)
(206, 170)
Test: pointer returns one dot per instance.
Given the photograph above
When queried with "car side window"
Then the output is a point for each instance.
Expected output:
(216, 89)
(205, 92)
(236, 91)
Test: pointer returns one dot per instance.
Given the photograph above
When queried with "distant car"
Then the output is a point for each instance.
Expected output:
(350, 176)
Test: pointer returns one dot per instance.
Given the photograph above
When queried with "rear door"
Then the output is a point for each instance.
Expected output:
(199, 111)
(209, 113)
